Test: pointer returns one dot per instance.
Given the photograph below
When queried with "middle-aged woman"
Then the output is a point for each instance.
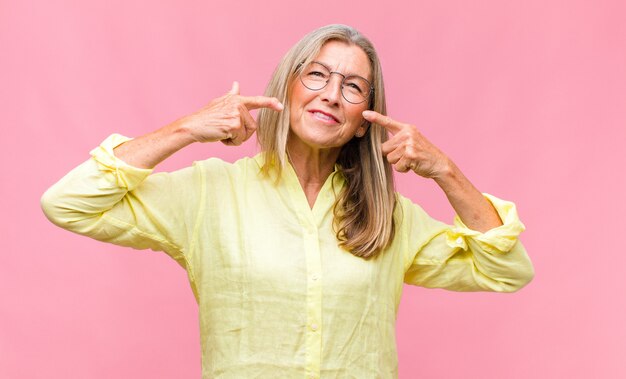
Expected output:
(297, 256)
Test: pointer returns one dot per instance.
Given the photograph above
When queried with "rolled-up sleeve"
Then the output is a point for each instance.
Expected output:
(457, 258)
(108, 200)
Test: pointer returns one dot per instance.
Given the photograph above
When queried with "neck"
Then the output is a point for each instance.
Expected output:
(312, 166)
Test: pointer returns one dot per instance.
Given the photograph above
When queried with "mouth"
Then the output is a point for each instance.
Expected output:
(324, 116)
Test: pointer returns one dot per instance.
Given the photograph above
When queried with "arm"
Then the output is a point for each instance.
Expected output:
(468, 203)
(151, 149)
(408, 150)
(106, 199)
(114, 198)
(225, 119)
(457, 258)
(481, 252)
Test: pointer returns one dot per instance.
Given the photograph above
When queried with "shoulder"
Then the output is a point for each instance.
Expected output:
(219, 166)
(406, 209)
(410, 217)
(219, 175)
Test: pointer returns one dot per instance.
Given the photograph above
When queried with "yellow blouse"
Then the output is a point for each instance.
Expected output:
(277, 297)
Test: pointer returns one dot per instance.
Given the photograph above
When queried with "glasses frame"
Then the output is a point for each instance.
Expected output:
(343, 80)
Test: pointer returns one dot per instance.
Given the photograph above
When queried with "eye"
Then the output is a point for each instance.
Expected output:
(318, 74)
(354, 86)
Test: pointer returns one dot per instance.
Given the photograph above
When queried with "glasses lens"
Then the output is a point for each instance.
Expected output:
(355, 89)
(315, 76)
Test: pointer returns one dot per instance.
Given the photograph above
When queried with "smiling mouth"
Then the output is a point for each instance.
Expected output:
(324, 117)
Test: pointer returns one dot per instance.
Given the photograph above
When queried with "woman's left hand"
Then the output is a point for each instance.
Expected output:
(408, 149)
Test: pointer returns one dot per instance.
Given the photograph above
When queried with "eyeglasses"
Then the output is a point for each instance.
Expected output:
(355, 89)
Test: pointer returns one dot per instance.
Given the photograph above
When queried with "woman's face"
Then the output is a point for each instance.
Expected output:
(323, 119)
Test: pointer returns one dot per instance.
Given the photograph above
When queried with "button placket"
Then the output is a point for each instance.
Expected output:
(313, 299)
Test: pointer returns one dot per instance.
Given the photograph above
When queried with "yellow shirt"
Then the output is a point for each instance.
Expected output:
(277, 297)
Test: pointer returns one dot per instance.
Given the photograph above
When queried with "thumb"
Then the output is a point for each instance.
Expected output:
(235, 89)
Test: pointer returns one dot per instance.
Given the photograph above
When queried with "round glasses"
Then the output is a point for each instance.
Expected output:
(355, 89)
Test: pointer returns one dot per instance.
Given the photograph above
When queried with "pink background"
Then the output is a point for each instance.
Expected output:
(528, 97)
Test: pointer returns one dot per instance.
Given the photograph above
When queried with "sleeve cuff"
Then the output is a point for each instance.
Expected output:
(120, 172)
(500, 239)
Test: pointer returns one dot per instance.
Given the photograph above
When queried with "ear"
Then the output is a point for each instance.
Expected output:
(360, 132)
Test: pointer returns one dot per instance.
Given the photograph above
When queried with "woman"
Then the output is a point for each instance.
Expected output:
(297, 256)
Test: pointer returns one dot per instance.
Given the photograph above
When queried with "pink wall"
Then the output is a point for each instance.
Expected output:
(529, 98)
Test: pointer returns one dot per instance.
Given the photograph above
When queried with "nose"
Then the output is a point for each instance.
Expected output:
(332, 91)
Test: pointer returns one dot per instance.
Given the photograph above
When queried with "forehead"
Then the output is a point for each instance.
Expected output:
(344, 58)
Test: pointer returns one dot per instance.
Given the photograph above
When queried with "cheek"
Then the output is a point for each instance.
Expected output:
(356, 115)
(299, 95)
(295, 112)
(298, 100)
(295, 101)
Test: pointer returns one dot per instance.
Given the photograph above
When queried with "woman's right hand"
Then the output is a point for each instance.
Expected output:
(227, 118)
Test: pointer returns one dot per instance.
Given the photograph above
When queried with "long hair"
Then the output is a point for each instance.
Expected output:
(363, 211)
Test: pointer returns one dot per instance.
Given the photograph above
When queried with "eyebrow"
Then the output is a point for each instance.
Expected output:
(348, 74)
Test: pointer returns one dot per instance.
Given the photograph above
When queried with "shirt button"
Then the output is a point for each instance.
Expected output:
(314, 327)
(315, 277)
(311, 376)
(459, 240)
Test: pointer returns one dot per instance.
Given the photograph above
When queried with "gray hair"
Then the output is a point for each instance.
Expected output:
(364, 209)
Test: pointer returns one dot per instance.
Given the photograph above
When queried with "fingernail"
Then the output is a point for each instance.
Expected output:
(281, 106)
(367, 113)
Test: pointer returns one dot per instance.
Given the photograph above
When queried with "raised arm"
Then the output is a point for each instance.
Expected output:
(481, 251)
(408, 150)
(114, 197)
(225, 119)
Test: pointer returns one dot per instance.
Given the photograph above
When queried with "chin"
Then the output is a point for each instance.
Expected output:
(317, 141)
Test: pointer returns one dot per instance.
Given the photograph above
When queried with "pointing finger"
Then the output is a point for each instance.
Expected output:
(255, 102)
(384, 121)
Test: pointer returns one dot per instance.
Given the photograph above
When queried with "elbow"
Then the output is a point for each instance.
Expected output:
(521, 279)
(51, 208)
(58, 210)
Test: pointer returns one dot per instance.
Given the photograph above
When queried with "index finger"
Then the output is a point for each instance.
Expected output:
(384, 121)
(255, 102)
